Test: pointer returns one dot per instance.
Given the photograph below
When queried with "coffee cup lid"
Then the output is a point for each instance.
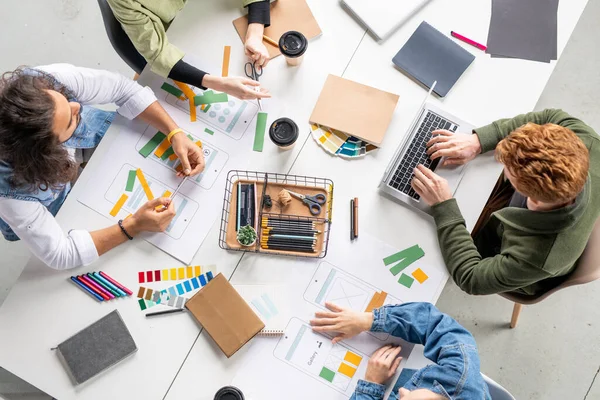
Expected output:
(293, 44)
(283, 132)
(229, 393)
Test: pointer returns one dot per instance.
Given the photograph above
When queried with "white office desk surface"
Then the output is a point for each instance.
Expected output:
(43, 308)
(490, 89)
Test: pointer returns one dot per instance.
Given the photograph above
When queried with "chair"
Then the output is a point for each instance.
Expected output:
(587, 270)
(119, 39)
(496, 391)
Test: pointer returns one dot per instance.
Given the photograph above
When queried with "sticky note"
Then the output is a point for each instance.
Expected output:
(173, 274)
(226, 57)
(168, 154)
(199, 143)
(167, 193)
(144, 183)
(141, 277)
(197, 270)
(352, 358)
(193, 117)
(130, 181)
(419, 275)
(347, 370)
(206, 108)
(117, 207)
(173, 157)
(413, 252)
(171, 89)
(327, 374)
(259, 135)
(189, 93)
(152, 144)
(210, 97)
(209, 131)
(405, 280)
(164, 145)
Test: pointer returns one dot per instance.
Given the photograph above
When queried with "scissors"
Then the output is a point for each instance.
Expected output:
(313, 203)
(254, 73)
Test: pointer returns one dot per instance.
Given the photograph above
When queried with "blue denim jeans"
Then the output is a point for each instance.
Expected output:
(456, 374)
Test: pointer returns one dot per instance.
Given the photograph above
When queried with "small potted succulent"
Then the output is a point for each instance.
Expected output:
(247, 236)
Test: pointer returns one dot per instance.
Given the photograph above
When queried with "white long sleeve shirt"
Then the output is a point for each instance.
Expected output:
(32, 221)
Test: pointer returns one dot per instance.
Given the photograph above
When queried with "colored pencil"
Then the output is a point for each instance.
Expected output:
(86, 289)
(287, 248)
(469, 41)
(177, 310)
(352, 219)
(283, 231)
(293, 237)
(117, 284)
(355, 217)
(99, 286)
(270, 41)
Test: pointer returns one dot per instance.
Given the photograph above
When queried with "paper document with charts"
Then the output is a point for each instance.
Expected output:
(354, 276)
(141, 164)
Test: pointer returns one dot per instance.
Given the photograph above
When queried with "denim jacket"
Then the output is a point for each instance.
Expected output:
(455, 376)
(92, 126)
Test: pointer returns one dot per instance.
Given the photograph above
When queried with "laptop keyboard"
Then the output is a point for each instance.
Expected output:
(417, 153)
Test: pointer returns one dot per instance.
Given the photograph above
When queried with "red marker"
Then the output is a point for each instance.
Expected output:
(469, 41)
(117, 284)
(85, 280)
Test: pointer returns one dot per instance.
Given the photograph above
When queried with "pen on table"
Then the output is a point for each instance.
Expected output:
(469, 41)
(109, 284)
(270, 41)
(152, 314)
(355, 217)
(351, 219)
(103, 292)
(104, 285)
(117, 284)
(86, 289)
(178, 187)
(91, 287)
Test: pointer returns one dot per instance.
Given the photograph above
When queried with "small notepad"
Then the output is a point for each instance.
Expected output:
(270, 303)
(96, 348)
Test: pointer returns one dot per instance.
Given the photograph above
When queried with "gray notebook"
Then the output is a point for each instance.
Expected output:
(430, 56)
(96, 348)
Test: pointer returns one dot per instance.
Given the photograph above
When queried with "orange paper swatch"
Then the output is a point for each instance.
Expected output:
(115, 210)
(144, 183)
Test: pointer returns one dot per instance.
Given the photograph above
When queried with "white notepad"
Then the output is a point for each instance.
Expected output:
(271, 305)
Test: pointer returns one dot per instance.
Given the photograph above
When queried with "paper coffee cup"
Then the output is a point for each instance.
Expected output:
(284, 133)
(229, 393)
(293, 45)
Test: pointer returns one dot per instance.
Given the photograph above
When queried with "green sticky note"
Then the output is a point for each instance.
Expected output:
(142, 304)
(406, 280)
(167, 153)
(414, 252)
(211, 97)
(327, 374)
(152, 144)
(171, 89)
(130, 181)
(261, 127)
(209, 131)
(207, 108)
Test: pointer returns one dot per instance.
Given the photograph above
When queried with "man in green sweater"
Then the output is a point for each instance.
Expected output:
(146, 23)
(539, 219)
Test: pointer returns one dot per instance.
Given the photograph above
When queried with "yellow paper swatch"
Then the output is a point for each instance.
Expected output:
(115, 210)
(347, 370)
(352, 358)
(419, 275)
(144, 183)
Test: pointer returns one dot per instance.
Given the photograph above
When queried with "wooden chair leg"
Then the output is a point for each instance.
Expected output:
(515, 315)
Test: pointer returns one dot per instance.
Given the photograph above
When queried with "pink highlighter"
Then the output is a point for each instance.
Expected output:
(469, 41)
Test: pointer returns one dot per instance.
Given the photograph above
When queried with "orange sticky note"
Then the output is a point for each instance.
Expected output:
(192, 110)
(144, 183)
(226, 57)
(352, 358)
(419, 275)
(115, 210)
(173, 157)
(189, 93)
(162, 148)
(347, 370)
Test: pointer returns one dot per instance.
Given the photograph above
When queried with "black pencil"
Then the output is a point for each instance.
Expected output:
(352, 219)
(287, 248)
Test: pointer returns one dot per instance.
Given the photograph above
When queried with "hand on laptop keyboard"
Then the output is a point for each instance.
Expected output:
(432, 188)
(457, 148)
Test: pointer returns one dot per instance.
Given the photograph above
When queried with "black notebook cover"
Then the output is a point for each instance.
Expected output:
(96, 348)
(430, 56)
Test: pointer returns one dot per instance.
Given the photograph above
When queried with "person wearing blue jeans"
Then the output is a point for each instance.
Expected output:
(451, 347)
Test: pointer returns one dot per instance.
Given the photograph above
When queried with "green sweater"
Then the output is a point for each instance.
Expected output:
(534, 245)
(145, 22)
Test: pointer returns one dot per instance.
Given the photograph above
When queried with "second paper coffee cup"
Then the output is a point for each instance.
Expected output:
(293, 45)
(284, 133)
(229, 393)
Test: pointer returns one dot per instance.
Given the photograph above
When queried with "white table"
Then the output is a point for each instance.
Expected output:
(43, 310)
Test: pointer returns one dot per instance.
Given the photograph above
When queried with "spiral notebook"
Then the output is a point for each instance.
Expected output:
(270, 303)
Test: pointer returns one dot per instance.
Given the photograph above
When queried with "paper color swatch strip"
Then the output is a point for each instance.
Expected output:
(149, 297)
(261, 127)
(171, 274)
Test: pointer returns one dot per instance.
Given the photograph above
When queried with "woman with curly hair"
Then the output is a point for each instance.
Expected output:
(45, 124)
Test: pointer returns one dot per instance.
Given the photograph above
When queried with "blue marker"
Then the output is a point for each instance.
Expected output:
(110, 285)
(88, 290)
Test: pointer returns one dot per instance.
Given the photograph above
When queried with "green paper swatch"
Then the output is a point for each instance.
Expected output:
(327, 374)
(152, 144)
(259, 136)
(406, 280)
(168, 153)
(211, 97)
(130, 180)
(209, 131)
(171, 89)
(414, 251)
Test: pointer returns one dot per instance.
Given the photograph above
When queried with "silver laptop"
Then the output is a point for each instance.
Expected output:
(396, 181)
(383, 17)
